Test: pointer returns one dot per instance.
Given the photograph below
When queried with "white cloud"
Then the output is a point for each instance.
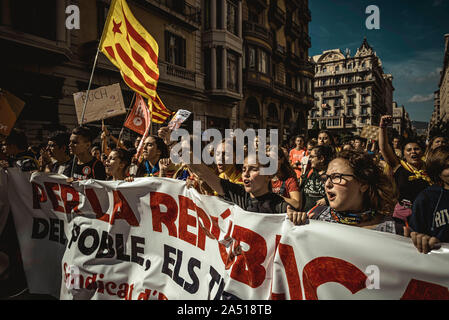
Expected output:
(421, 98)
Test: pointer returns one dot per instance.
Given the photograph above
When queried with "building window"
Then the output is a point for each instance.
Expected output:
(232, 71)
(231, 17)
(207, 14)
(35, 17)
(337, 68)
(175, 49)
(253, 16)
(298, 84)
(251, 58)
(324, 69)
(263, 62)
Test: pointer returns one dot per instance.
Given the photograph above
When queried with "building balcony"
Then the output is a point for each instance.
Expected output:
(351, 93)
(279, 51)
(258, 31)
(276, 15)
(259, 5)
(185, 14)
(306, 39)
(306, 13)
(293, 29)
(332, 94)
(180, 76)
(257, 79)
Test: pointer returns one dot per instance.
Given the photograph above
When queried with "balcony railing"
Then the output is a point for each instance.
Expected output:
(293, 28)
(190, 13)
(276, 15)
(257, 30)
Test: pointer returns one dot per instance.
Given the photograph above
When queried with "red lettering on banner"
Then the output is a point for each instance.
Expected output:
(55, 199)
(72, 204)
(248, 267)
(122, 210)
(203, 228)
(39, 195)
(288, 259)
(168, 218)
(96, 207)
(185, 219)
(328, 269)
(423, 290)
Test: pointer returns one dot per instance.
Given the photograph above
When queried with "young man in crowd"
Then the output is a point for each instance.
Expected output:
(16, 146)
(86, 166)
(296, 155)
(359, 144)
(56, 157)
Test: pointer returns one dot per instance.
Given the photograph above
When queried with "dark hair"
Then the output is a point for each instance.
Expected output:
(381, 194)
(18, 138)
(331, 137)
(61, 138)
(312, 142)
(161, 146)
(84, 132)
(124, 156)
(363, 140)
(286, 169)
(437, 161)
(411, 140)
(325, 151)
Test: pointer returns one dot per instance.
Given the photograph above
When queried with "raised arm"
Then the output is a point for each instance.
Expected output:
(208, 175)
(385, 149)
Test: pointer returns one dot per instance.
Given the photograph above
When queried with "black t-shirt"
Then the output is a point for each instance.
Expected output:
(408, 190)
(93, 169)
(268, 203)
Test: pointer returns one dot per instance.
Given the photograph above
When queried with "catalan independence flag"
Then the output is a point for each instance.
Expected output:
(131, 49)
(159, 113)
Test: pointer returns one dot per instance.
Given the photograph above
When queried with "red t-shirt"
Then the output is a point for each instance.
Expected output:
(291, 184)
(296, 156)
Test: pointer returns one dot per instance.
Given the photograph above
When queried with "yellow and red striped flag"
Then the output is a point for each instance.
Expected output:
(131, 49)
(159, 113)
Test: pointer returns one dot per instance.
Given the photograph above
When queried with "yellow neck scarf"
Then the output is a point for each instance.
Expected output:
(418, 174)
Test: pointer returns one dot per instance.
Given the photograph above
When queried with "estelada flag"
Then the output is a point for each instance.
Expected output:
(159, 112)
(131, 49)
(10, 109)
(139, 117)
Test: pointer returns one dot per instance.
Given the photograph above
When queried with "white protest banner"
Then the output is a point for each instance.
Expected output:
(155, 239)
(323, 260)
(104, 102)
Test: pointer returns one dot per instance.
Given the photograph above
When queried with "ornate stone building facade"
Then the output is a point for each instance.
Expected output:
(441, 101)
(401, 120)
(350, 92)
(232, 63)
(278, 77)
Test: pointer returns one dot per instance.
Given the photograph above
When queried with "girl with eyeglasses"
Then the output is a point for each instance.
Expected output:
(359, 194)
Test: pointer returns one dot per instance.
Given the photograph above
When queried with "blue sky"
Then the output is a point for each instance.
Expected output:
(410, 42)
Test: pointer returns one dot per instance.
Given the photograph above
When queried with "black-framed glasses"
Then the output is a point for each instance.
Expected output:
(335, 177)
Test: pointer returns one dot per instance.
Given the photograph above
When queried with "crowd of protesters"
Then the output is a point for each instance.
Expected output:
(388, 185)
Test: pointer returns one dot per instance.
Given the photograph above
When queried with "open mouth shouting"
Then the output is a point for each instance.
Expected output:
(331, 196)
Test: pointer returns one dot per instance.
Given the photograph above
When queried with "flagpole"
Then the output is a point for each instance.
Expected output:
(92, 76)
